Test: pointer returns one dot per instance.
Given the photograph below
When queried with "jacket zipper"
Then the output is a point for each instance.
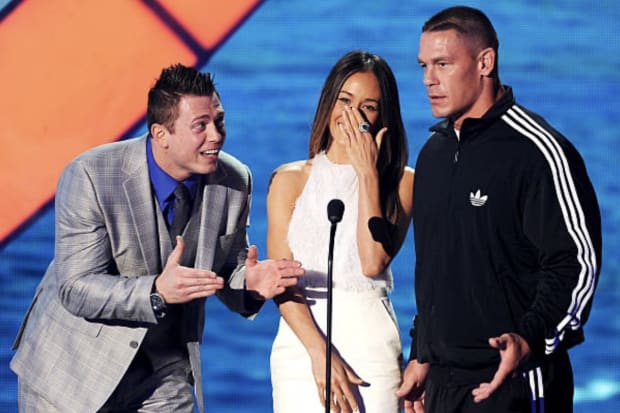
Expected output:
(455, 159)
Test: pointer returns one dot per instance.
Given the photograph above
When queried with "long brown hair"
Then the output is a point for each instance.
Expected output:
(394, 152)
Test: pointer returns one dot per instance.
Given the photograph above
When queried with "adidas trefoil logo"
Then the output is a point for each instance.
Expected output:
(477, 199)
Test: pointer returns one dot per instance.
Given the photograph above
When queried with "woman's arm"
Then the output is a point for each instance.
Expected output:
(373, 231)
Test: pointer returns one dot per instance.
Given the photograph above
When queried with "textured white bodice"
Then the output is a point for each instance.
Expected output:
(308, 233)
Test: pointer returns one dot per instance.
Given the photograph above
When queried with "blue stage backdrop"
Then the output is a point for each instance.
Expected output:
(560, 57)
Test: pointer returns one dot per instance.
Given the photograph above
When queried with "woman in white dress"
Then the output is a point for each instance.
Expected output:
(358, 154)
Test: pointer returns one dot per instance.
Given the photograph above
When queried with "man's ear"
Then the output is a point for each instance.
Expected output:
(159, 134)
(486, 61)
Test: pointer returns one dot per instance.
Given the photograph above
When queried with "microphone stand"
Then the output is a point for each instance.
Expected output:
(328, 360)
(335, 208)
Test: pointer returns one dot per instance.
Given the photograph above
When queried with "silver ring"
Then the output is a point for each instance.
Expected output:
(364, 127)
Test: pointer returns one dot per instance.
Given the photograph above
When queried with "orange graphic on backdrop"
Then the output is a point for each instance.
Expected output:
(75, 74)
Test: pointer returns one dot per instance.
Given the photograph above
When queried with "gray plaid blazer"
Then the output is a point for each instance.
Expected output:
(91, 310)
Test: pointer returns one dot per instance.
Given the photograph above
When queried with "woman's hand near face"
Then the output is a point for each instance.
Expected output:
(362, 148)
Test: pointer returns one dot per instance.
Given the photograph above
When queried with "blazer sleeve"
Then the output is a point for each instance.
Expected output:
(88, 281)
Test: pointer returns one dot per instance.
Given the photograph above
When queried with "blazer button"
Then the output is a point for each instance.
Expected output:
(133, 344)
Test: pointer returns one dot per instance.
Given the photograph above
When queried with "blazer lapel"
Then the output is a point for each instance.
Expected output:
(143, 209)
(202, 231)
(212, 209)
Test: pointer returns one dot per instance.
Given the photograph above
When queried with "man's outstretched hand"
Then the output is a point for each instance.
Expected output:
(180, 284)
(513, 349)
(269, 278)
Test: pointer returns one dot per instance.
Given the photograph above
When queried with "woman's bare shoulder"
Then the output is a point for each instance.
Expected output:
(406, 188)
(291, 176)
(292, 167)
(408, 177)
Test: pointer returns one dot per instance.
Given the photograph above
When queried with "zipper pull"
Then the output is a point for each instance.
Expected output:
(456, 156)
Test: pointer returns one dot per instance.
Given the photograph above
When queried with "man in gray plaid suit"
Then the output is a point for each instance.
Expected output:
(117, 320)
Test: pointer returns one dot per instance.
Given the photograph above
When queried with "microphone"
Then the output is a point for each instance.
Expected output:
(335, 208)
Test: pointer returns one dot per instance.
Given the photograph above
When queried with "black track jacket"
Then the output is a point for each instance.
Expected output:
(507, 235)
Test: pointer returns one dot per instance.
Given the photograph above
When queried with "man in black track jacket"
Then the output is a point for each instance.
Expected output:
(507, 234)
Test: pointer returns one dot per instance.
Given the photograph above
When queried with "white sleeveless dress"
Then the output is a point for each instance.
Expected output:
(364, 327)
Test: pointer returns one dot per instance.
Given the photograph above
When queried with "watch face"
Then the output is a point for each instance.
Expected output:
(157, 302)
